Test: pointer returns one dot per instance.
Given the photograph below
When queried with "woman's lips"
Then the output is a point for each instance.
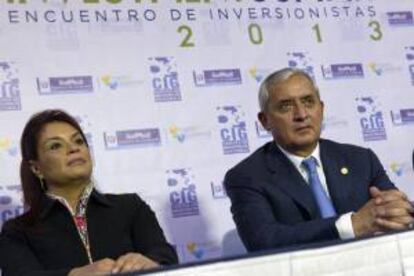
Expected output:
(76, 161)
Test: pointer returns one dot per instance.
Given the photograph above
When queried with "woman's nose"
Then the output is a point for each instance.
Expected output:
(73, 147)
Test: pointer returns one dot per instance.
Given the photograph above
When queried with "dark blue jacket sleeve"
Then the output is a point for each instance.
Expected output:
(258, 227)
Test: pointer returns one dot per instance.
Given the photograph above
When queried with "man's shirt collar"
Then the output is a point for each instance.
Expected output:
(297, 160)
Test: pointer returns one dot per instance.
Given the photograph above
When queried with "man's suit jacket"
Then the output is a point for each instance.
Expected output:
(117, 224)
(273, 206)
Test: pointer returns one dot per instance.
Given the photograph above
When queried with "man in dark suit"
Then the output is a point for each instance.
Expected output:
(300, 188)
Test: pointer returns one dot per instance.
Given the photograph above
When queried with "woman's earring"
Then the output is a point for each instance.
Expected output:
(42, 183)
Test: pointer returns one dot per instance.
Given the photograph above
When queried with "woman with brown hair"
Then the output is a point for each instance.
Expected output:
(69, 227)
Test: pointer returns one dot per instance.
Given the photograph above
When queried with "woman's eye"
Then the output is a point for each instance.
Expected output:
(79, 141)
(55, 146)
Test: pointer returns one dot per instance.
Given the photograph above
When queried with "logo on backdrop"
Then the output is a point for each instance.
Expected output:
(117, 82)
(342, 71)
(132, 138)
(11, 204)
(9, 146)
(233, 130)
(196, 251)
(217, 77)
(183, 193)
(400, 18)
(371, 119)
(381, 69)
(183, 134)
(403, 117)
(164, 79)
(410, 59)
(10, 89)
(177, 133)
(65, 85)
(301, 60)
(400, 168)
(217, 190)
(259, 74)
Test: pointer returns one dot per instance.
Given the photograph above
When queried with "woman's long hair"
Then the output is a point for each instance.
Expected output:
(31, 185)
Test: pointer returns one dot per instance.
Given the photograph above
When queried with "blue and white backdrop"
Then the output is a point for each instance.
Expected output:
(167, 92)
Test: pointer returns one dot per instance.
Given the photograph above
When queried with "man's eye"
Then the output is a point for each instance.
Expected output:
(309, 102)
(284, 107)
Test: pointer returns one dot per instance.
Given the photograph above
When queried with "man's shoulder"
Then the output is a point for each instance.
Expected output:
(342, 148)
(254, 161)
(347, 153)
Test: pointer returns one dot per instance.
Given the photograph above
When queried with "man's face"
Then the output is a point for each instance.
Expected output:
(294, 115)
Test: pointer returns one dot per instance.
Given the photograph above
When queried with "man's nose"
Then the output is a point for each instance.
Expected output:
(301, 113)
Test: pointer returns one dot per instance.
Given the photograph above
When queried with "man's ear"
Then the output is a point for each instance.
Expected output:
(322, 107)
(263, 120)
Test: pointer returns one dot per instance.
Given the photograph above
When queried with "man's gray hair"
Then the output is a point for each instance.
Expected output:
(276, 78)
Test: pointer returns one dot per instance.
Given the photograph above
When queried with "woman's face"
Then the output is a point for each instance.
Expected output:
(63, 156)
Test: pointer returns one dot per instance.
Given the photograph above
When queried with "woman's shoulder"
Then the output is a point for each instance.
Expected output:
(124, 199)
(18, 223)
(119, 197)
